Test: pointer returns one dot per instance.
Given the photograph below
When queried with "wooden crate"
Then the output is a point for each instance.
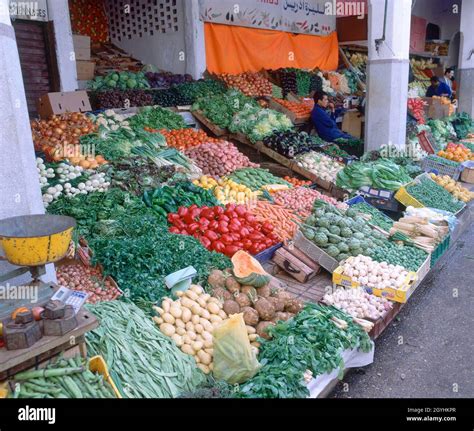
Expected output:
(296, 264)
(273, 104)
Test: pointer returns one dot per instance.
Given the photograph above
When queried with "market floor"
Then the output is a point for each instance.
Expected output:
(428, 349)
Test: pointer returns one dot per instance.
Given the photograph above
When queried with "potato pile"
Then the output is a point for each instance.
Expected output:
(190, 321)
(453, 187)
(261, 307)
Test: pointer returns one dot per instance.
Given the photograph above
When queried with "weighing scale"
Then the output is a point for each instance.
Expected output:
(30, 243)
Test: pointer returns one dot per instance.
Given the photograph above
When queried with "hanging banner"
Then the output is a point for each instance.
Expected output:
(292, 16)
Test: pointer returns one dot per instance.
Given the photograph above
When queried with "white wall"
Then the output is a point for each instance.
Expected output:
(164, 50)
(58, 12)
(439, 12)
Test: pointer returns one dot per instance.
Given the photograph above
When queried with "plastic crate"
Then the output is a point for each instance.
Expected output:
(436, 164)
(406, 199)
(266, 255)
(440, 250)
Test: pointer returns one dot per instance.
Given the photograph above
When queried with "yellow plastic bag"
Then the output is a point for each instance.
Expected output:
(234, 359)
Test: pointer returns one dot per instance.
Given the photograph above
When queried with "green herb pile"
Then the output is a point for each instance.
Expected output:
(137, 175)
(463, 124)
(192, 91)
(220, 108)
(442, 131)
(96, 212)
(148, 363)
(167, 199)
(377, 218)
(432, 195)
(381, 174)
(157, 118)
(309, 341)
(140, 263)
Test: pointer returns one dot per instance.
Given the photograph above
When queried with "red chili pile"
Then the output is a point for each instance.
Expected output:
(225, 230)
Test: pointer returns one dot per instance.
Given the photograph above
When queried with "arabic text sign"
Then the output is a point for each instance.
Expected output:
(295, 16)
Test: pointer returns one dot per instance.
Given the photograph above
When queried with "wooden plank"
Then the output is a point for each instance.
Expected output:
(40, 361)
(11, 358)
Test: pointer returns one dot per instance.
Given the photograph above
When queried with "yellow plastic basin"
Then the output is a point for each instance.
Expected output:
(34, 240)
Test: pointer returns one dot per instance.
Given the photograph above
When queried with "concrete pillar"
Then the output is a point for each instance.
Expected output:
(387, 74)
(466, 59)
(58, 12)
(20, 192)
(194, 39)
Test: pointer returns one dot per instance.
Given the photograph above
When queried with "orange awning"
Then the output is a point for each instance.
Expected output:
(232, 49)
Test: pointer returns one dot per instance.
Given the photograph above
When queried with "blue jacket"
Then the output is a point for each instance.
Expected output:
(441, 89)
(326, 126)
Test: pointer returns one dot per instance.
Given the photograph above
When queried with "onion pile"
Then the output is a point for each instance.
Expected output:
(218, 159)
(250, 83)
(59, 136)
(87, 279)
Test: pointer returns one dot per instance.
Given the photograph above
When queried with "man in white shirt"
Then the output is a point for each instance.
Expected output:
(447, 78)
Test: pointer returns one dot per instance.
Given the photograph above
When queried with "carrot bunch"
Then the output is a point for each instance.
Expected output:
(302, 109)
(284, 220)
(182, 139)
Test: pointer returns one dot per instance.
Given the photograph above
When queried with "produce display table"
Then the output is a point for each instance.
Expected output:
(14, 361)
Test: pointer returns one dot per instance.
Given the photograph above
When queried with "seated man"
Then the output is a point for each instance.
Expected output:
(324, 123)
(438, 88)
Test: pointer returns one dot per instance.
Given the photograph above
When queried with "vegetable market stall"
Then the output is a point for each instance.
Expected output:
(181, 221)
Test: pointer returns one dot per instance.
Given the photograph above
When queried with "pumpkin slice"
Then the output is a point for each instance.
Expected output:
(248, 271)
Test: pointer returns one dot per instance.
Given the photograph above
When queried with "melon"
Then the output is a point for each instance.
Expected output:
(248, 271)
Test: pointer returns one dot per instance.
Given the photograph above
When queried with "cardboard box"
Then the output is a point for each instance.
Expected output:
(85, 70)
(82, 47)
(352, 123)
(60, 103)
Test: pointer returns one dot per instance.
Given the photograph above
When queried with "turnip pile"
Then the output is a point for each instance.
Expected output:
(190, 321)
(219, 159)
(358, 303)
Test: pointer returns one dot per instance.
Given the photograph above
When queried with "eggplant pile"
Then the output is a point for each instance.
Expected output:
(290, 143)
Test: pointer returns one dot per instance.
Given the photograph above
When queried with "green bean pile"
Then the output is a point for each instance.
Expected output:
(148, 364)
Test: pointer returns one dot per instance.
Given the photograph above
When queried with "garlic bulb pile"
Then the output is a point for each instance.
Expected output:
(373, 274)
(358, 303)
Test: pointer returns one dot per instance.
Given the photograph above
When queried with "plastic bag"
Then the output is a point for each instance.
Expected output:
(235, 361)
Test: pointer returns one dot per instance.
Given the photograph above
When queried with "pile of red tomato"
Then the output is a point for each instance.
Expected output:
(225, 230)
